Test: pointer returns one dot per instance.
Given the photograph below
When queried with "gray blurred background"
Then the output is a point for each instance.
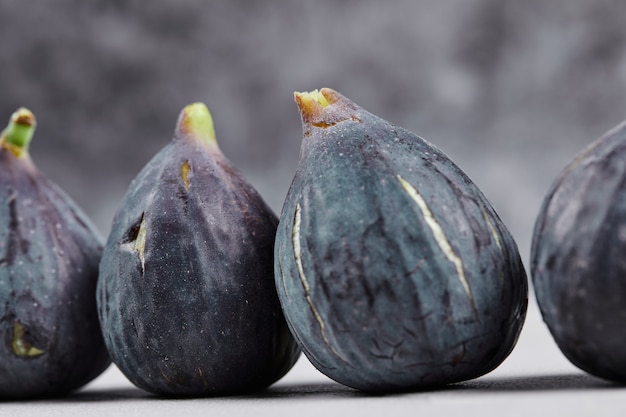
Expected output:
(510, 90)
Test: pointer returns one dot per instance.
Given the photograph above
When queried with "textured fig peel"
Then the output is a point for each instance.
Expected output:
(393, 270)
(324, 108)
(49, 253)
(17, 135)
(195, 122)
(578, 272)
(186, 293)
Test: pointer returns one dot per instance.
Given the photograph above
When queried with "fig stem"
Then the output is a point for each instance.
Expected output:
(19, 132)
(313, 96)
(312, 107)
(195, 120)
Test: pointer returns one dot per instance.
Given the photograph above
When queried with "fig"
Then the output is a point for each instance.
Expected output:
(393, 270)
(50, 338)
(577, 257)
(186, 292)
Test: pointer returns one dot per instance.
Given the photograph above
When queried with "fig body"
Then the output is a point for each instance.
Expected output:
(50, 339)
(577, 257)
(186, 293)
(393, 270)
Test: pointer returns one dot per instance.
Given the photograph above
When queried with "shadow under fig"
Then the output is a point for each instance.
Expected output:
(332, 390)
(324, 390)
(559, 382)
(562, 382)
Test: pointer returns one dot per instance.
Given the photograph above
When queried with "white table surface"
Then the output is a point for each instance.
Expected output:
(536, 379)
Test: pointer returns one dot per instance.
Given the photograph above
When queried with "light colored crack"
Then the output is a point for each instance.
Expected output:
(496, 238)
(140, 243)
(185, 168)
(297, 251)
(282, 274)
(440, 237)
(22, 347)
(202, 378)
(493, 231)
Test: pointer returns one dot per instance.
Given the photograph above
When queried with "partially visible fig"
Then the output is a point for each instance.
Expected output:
(393, 269)
(50, 339)
(578, 262)
(186, 293)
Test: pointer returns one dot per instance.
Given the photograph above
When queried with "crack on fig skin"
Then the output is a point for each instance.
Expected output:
(295, 236)
(496, 238)
(323, 124)
(135, 239)
(282, 275)
(185, 169)
(164, 375)
(21, 344)
(417, 335)
(133, 231)
(377, 351)
(202, 378)
(416, 268)
(16, 244)
(440, 237)
(140, 244)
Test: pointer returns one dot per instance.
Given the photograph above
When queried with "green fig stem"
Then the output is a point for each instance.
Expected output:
(195, 121)
(19, 132)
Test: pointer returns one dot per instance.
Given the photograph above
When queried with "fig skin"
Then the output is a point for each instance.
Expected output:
(577, 257)
(187, 301)
(393, 270)
(50, 338)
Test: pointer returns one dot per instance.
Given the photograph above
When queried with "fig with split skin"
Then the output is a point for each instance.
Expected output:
(577, 257)
(393, 270)
(50, 338)
(186, 292)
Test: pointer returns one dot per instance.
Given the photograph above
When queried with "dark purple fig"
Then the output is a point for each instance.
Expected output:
(50, 339)
(186, 292)
(393, 270)
(578, 265)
